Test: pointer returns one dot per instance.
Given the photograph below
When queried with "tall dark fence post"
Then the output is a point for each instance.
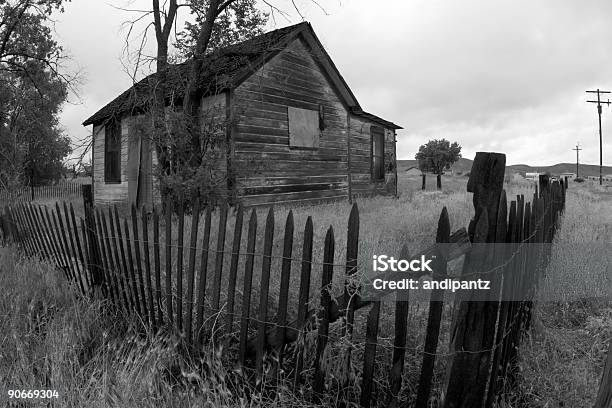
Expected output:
(399, 340)
(87, 191)
(473, 334)
(543, 183)
(435, 312)
(95, 262)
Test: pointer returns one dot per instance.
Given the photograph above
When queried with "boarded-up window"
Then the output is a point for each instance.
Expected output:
(112, 152)
(303, 128)
(378, 153)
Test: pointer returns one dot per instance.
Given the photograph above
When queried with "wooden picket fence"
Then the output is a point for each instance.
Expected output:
(143, 268)
(63, 190)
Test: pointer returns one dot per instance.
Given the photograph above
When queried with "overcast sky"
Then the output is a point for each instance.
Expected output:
(494, 75)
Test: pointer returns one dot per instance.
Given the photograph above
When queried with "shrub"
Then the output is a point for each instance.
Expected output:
(579, 180)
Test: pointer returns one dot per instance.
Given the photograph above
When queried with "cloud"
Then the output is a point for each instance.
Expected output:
(506, 75)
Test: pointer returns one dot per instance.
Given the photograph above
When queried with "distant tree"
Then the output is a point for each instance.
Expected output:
(436, 156)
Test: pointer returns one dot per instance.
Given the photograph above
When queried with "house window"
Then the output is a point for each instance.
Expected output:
(378, 153)
(112, 152)
(304, 128)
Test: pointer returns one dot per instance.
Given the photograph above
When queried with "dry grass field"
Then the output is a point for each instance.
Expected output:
(51, 339)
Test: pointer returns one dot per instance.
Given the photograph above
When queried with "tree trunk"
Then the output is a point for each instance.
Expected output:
(423, 181)
(159, 105)
(191, 101)
(439, 181)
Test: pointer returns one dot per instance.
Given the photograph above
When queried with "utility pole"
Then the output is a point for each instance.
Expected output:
(599, 102)
(577, 149)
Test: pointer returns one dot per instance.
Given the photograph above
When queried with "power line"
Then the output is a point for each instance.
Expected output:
(599, 102)
(577, 149)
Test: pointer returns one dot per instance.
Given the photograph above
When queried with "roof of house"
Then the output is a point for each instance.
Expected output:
(227, 67)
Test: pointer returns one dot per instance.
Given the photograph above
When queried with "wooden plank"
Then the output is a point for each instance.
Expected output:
(95, 261)
(283, 298)
(168, 222)
(436, 304)
(119, 271)
(71, 231)
(193, 241)
(108, 285)
(126, 282)
(147, 263)
(263, 293)
(156, 251)
(138, 267)
(293, 188)
(114, 268)
(179, 266)
(36, 220)
(323, 328)
(511, 237)
(247, 287)
(88, 264)
(369, 355)
(350, 294)
(500, 258)
(80, 252)
(219, 252)
(199, 334)
(128, 247)
(399, 341)
(289, 198)
(60, 246)
(303, 298)
(233, 272)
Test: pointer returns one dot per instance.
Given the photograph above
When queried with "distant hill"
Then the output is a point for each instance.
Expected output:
(465, 165)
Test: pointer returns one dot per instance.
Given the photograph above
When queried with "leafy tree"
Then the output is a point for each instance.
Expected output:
(32, 91)
(436, 156)
(240, 21)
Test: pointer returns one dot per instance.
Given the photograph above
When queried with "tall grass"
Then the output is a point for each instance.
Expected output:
(53, 339)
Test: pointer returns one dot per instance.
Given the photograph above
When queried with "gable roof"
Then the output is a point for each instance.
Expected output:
(227, 67)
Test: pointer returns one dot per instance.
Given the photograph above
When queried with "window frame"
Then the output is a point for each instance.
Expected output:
(112, 148)
(375, 168)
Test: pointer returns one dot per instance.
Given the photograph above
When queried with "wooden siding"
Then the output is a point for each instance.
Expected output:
(362, 182)
(271, 170)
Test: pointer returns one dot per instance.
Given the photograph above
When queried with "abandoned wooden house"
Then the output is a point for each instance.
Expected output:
(291, 111)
